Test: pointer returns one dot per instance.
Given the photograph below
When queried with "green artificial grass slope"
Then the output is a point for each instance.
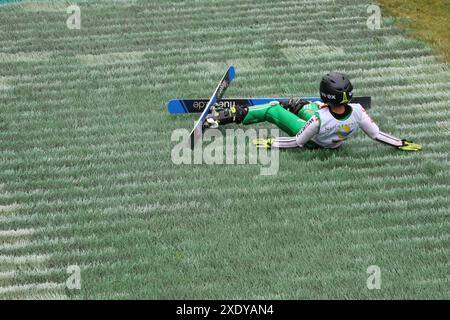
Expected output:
(428, 20)
(86, 176)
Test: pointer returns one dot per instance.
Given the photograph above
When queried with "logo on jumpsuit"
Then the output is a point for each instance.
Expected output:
(344, 132)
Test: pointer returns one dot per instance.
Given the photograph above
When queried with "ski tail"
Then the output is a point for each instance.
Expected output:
(197, 131)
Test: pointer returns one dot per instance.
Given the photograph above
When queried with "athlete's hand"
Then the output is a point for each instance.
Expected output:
(263, 143)
(410, 146)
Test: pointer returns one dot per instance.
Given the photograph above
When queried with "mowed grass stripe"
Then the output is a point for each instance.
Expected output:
(132, 126)
(83, 172)
(199, 19)
(414, 217)
(120, 74)
(104, 202)
(108, 157)
(85, 185)
(85, 179)
(368, 169)
(85, 182)
(159, 15)
(224, 38)
(441, 265)
(177, 51)
(139, 214)
(126, 70)
(423, 63)
(419, 220)
(175, 54)
(162, 37)
(136, 77)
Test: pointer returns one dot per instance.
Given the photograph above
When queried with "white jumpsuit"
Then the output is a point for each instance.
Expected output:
(329, 132)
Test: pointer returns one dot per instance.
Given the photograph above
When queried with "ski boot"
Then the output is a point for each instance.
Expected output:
(221, 115)
(294, 105)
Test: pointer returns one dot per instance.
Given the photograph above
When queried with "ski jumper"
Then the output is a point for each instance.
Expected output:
(315, 125)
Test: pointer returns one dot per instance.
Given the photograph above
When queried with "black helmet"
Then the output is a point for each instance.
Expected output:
(336, 89)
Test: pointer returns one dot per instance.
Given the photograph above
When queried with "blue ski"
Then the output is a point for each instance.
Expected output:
(197, 131)
(198, 105)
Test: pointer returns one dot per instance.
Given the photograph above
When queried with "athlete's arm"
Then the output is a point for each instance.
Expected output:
(310, 129)
(373, 131)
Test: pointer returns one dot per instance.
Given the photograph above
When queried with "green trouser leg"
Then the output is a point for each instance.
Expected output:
(308, 111)
(285, 120)
(276, 114)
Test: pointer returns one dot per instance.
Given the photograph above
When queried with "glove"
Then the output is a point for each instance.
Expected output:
(294, 105)
(410, 146)
(263, 143)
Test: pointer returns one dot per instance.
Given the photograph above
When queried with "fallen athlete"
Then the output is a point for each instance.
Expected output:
(326, 124)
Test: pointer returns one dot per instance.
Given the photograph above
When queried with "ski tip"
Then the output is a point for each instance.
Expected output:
(231, 72)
